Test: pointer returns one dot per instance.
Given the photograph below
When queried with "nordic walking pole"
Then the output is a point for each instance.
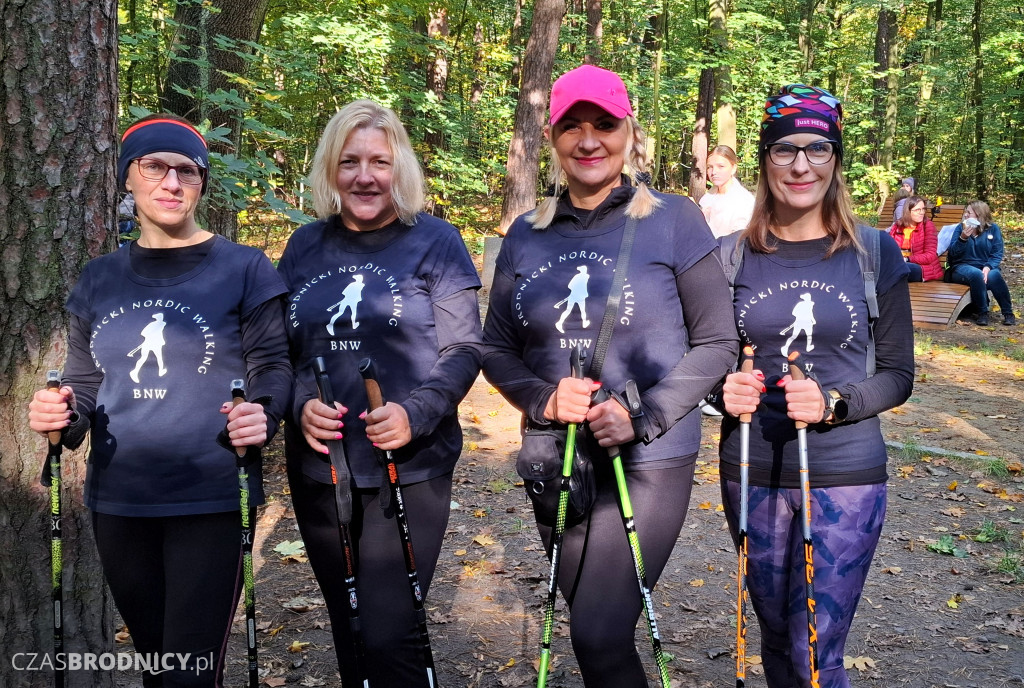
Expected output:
(343, 501)
(53, 439)
(747, 366)
(626, 509)
(238, 397)
(376, 400)
(797, 373)
(576, 360)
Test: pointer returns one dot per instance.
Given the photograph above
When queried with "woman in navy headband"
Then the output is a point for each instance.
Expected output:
(159, 329)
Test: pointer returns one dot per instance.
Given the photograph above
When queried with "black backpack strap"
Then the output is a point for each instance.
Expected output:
(870, 239)
(731, 249)
(611, 311)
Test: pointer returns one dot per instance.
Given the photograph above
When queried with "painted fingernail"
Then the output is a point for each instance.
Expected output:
(325, 450)
(375, 444)
(763, 389)
(341, 425)
(340, 415)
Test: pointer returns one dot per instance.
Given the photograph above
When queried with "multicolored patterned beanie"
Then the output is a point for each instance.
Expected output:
(800, 109)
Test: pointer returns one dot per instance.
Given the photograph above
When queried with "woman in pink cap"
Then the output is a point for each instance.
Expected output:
(672, 336)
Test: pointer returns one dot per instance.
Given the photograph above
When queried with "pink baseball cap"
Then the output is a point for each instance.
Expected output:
(589, 84)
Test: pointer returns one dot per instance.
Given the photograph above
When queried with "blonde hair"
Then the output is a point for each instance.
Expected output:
(407, 185)
(836, 214)
(643, 203)
(982, 211)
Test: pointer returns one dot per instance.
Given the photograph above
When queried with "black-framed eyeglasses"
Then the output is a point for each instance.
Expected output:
(817, 153)
(155, 170)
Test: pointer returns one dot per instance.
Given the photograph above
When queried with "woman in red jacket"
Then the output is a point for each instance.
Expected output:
(915, 234)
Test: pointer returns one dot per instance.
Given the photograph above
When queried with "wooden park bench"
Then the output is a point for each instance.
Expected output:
(935, 305)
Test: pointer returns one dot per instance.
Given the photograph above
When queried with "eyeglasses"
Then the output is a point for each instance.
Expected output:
(817, 153)
(155, 170)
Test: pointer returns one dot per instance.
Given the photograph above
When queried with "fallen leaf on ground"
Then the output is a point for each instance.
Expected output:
(697, 583)
(483, 540)
(297, 646)
(861, 663)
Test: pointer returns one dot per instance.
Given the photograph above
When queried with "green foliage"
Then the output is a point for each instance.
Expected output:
(313, 57)
(945, 546)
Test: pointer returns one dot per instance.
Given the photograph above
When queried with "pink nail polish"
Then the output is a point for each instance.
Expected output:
(337, 436)
(339, 415)
(341, 425)
(326, 450)
(375, 444)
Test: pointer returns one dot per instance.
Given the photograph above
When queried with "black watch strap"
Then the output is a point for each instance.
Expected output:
(636, 412)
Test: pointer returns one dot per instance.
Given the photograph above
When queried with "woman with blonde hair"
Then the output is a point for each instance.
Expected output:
(974, 259)
(408, 275)
(727, 207)
(669, 337)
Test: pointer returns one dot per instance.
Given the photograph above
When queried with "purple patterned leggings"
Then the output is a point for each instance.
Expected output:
(846, 523)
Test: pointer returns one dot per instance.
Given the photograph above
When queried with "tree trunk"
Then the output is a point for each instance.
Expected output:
(804, 39)
(594, 32)
(200, 68)
(725, 117)
(933, 24)
(977, 95)
(699, 146)
(515, 39)
(892, 95)
(57, 209)
(437, 69)
(883, 38)
(520, 194)
(477, 89)
(660, 24)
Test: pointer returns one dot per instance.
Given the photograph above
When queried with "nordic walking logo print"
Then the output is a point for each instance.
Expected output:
(152, 343)
(803, 323)
(577, 298)
(350, 298)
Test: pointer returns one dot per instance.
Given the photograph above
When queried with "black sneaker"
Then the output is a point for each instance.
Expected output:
(1009, 319)
(982, 319)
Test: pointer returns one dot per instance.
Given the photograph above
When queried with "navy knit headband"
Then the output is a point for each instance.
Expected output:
(161, 136)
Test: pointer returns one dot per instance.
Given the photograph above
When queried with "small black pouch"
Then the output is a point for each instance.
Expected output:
(539, 464)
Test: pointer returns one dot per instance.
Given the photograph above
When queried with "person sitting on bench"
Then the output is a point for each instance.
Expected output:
(974, 258)
(915, 235)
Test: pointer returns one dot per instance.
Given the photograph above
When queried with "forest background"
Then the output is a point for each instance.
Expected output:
(932, 89)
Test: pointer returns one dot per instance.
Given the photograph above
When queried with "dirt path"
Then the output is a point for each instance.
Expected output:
(927, 618)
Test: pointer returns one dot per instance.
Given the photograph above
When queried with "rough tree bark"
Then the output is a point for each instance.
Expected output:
(201, 68)
(520, 193)
(699, 146)
(58, 66)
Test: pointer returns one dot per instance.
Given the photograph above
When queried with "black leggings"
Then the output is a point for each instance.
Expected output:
(596, 574)
(176, 582)
(394, 658)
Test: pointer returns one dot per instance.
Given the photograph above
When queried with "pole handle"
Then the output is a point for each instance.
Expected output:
(796, 371)
(747, 366)
(323, 381)
(238, 397)
(577, 357)
(374, 396)
(53, 382)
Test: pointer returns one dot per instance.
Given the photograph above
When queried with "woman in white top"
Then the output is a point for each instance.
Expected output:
(728, 207)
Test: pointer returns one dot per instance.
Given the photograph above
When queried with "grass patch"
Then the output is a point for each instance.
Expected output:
(991, 531)
(1012, 563)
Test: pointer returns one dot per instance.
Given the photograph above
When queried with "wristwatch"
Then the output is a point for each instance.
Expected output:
(836, 408)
